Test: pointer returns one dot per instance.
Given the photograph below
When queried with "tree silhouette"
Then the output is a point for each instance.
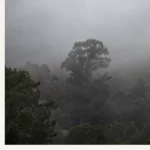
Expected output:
(84, 58)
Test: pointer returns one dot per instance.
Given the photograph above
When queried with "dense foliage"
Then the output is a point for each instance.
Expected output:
(27, 119)
(92, 106)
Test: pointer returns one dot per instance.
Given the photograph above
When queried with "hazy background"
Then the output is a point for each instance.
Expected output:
(44, 31)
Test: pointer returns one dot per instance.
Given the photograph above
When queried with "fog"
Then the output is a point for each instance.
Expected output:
(83, 97)
(44, 31)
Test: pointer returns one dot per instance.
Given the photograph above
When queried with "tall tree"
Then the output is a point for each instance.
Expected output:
(84, 59)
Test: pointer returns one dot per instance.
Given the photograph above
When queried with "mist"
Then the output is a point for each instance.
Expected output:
(96, 91)
(44, 31)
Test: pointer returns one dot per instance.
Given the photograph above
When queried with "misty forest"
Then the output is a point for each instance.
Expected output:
(77, 72)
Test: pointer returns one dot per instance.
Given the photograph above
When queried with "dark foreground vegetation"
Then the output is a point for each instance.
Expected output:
(78, 109)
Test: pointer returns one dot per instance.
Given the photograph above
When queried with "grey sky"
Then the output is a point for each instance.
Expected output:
(45, 30)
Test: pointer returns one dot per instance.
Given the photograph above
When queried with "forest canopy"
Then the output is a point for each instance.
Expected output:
(81, 108)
